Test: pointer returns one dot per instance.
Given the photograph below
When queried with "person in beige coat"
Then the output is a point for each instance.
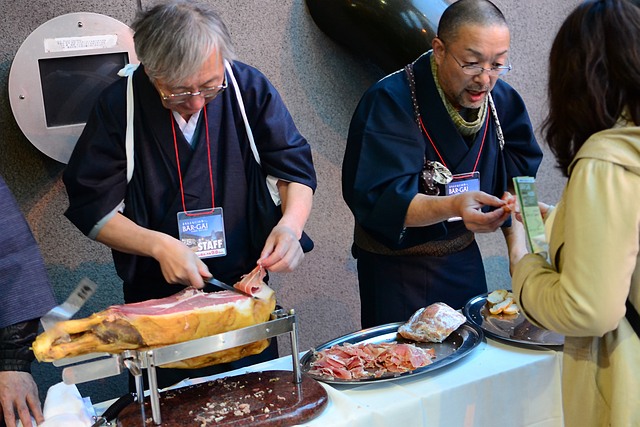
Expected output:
(592, 129)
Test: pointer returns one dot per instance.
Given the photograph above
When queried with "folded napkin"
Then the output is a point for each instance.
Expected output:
(64, 407)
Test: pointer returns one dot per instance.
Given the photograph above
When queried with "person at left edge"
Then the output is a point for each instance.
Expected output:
(26, 296)
(191, 152)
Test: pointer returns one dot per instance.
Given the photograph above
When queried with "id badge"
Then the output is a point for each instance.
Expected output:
(462, 183)
(203, 232)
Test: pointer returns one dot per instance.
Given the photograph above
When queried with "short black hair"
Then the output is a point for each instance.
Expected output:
(468, 12)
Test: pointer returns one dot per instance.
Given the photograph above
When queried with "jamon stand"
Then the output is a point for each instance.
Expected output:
(97, 366)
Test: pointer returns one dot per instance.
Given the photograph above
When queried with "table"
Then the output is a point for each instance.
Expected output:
(495, 385)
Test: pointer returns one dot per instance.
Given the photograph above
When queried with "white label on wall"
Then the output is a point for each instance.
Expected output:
(68, 44)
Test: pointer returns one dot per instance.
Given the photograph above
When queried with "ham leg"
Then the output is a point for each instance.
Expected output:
(187, 315)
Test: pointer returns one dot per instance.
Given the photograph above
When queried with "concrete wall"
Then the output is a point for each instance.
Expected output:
(321, 84)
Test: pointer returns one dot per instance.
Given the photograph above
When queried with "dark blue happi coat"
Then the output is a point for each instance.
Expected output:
(26, 292)
(96, 183)
(380, 176)
(385, 152)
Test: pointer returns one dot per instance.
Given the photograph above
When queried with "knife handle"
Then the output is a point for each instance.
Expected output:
(100, 421)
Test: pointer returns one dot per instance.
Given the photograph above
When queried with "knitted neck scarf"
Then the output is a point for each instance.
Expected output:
(466, 128)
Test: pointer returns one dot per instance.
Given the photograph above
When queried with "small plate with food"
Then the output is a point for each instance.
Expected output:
(498, 315)
(434, 337)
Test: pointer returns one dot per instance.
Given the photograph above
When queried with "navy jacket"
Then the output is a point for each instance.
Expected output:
(386, 149)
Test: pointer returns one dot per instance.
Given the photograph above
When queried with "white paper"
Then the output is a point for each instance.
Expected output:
(64, 407)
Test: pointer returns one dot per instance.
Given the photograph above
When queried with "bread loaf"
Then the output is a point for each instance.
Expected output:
(502, 301)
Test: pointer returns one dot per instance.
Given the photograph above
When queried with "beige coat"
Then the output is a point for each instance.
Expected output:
(594, 241)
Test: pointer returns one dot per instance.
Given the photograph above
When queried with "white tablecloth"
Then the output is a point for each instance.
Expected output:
(495, 385)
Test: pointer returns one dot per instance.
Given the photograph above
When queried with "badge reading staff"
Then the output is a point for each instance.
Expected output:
(203, 232)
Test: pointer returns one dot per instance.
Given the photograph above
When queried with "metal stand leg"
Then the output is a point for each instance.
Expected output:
(132, 363)
(153, 389)
(297, 372)
(140, 396)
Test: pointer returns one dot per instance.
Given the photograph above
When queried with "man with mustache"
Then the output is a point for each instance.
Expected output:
(431, 150)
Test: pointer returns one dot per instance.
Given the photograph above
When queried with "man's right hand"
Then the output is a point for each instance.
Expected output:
(469, 206)
(426, 210)
(179, 264)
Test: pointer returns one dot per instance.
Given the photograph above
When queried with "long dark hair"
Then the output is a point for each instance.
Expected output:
(594, 74)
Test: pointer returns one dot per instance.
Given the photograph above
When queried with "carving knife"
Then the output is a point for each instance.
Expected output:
(218, 283)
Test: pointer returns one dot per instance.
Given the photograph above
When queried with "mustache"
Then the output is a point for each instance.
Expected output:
(479, 88)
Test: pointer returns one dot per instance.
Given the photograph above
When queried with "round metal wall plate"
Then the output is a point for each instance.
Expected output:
(58, 72)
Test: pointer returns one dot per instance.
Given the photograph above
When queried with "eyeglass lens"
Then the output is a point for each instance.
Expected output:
(475, 70)
(178, 98)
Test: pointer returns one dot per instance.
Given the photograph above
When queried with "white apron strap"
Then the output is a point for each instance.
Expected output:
(127, 71)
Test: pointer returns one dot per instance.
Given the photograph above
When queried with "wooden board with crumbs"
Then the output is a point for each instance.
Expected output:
(265, 399)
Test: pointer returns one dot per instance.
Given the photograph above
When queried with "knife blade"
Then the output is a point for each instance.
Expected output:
(116, 407)
(218, 283)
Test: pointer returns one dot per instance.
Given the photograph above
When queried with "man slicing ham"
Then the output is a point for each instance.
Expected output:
(196, 112)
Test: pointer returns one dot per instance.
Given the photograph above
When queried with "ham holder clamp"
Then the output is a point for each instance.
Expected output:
(101, 365)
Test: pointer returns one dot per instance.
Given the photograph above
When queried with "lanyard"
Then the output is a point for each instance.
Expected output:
(175, 144)
(475, 166)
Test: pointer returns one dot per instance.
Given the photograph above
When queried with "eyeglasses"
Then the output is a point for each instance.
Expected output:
(207, 92)
(476, 70)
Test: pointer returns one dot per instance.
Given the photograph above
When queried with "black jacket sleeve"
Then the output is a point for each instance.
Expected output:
(15, 346)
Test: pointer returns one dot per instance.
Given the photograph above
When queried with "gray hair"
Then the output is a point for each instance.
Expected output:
(174, 39)
(468, 12)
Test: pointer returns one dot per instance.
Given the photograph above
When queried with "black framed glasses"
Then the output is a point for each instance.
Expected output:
(476, 70)
(208, 93)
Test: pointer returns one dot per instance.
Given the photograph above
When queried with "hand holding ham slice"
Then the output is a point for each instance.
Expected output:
(512, 202)
(432, 324)
(187, 315)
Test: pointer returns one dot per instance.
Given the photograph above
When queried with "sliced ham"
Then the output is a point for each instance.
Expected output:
(367, 360)
(433, 323)
(187, 315)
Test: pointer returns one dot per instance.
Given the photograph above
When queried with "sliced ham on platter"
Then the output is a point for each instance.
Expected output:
(368, 360)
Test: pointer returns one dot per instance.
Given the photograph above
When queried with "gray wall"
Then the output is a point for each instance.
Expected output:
(321, 83)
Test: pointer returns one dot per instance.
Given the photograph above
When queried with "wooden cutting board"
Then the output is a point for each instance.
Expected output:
(268, 398)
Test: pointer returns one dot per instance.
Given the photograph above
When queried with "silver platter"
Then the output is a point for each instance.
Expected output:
(513, 328)
(456, 346)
